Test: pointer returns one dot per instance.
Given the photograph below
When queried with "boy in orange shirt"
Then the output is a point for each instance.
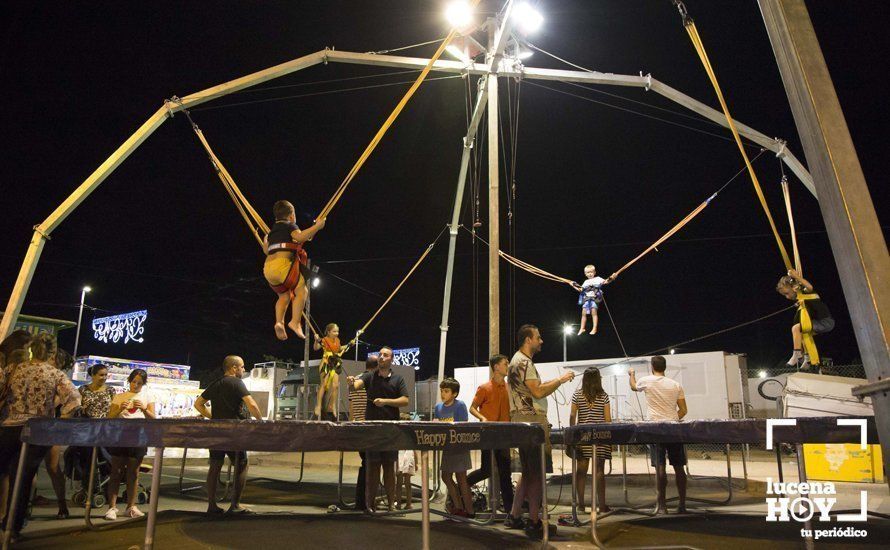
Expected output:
(492, 404)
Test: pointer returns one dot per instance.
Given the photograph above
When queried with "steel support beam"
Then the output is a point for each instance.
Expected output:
(469, 141)
(854, 232)
(507, 68)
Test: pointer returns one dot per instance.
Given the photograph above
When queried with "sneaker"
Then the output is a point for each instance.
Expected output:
(514, 523)
(111, 514)
(134, 512)
(536, 530)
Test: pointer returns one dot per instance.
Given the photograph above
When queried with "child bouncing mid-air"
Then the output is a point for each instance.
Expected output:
(822, 321)
(591, 295)
(328, 370)
(286, 267)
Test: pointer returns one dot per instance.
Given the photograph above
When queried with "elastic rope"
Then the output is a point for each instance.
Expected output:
(420, 260)
(709, 335)
(703, 56)
(387, 123)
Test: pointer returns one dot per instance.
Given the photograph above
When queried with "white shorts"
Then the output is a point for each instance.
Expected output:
(406, 463)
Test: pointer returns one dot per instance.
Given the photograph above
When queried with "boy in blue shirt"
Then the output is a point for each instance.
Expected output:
(455, 462)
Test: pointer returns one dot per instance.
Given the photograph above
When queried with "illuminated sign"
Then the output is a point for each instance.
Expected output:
(409, 357)
(129, 326)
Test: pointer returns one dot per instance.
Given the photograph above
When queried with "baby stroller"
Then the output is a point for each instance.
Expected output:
(77, 469)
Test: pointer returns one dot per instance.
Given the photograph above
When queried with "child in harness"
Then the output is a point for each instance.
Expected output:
(286, 267)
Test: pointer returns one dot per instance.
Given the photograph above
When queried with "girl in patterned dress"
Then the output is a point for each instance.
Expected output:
(329, 372)
(590, 404)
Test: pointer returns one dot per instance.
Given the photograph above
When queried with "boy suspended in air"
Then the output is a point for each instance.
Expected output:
(591, 294)
(286, 268)
(821, 319)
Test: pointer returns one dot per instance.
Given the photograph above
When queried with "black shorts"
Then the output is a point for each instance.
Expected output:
(821, 326)
(240, 456)
(676, 453)
(127, 452)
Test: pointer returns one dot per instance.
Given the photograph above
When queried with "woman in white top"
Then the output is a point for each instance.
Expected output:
(135, 403)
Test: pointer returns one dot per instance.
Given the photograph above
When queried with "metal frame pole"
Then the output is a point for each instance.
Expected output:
(14, 498)
(483, 101)
(424, 498)
(854, 232)
(83, 295)
(158, 466)
(306, 415)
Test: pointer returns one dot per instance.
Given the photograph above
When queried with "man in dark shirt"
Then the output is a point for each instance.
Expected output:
(387, 392)
(229, 399)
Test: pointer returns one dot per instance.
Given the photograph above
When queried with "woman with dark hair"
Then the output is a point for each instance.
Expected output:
(31, 389)
(137, 402)
(590, 405)
(96, 397)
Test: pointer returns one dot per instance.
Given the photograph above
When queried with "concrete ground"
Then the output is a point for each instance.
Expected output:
(292, 514)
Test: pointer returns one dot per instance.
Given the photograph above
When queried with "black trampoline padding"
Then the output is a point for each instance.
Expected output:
(254, 435)
(823, 429)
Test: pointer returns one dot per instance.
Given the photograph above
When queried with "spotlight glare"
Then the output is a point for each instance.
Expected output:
(87, 289)
(567, 329)
(459, 14)
(315, 282)
(761, 374)
(528, 18)
(673, 351)
(457, 53)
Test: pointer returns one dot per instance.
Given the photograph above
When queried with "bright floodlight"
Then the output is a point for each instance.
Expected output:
(416, 367)
(567, 329)
(761, 374)
(528, 19)
(459, 14)
(315, 282)
(87, 289)
(673, 351)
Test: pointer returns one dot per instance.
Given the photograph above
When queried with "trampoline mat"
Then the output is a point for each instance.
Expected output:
(190, 530)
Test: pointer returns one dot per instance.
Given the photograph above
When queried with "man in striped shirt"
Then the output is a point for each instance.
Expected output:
(358, 403)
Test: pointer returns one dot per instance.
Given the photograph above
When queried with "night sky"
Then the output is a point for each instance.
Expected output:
(594, 183)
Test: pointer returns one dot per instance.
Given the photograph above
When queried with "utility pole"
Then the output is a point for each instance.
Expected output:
(494, 235)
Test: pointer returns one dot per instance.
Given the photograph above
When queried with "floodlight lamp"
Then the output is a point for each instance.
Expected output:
(761, 374)
(673, 351)
(315, 282)
(87, 289)
(459, 14)
(416, 367)
(528, 19)
(567, 330)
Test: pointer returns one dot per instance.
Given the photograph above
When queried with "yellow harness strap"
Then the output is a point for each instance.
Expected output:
(806, 327)
(700, 49)
(387, 123)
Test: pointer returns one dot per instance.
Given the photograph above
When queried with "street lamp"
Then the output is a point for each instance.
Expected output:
(315, 282)
(566, 331)
(83, 294)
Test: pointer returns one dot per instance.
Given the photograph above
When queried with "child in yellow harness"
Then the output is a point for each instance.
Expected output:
(286, 267)
(820, 318)
(328, 370)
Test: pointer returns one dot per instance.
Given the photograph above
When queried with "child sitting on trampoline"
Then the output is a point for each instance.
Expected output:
(287, 266)
(328, 371)
(822, 321)
(591, 294)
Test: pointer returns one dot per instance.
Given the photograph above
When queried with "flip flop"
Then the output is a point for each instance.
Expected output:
(280, 332)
